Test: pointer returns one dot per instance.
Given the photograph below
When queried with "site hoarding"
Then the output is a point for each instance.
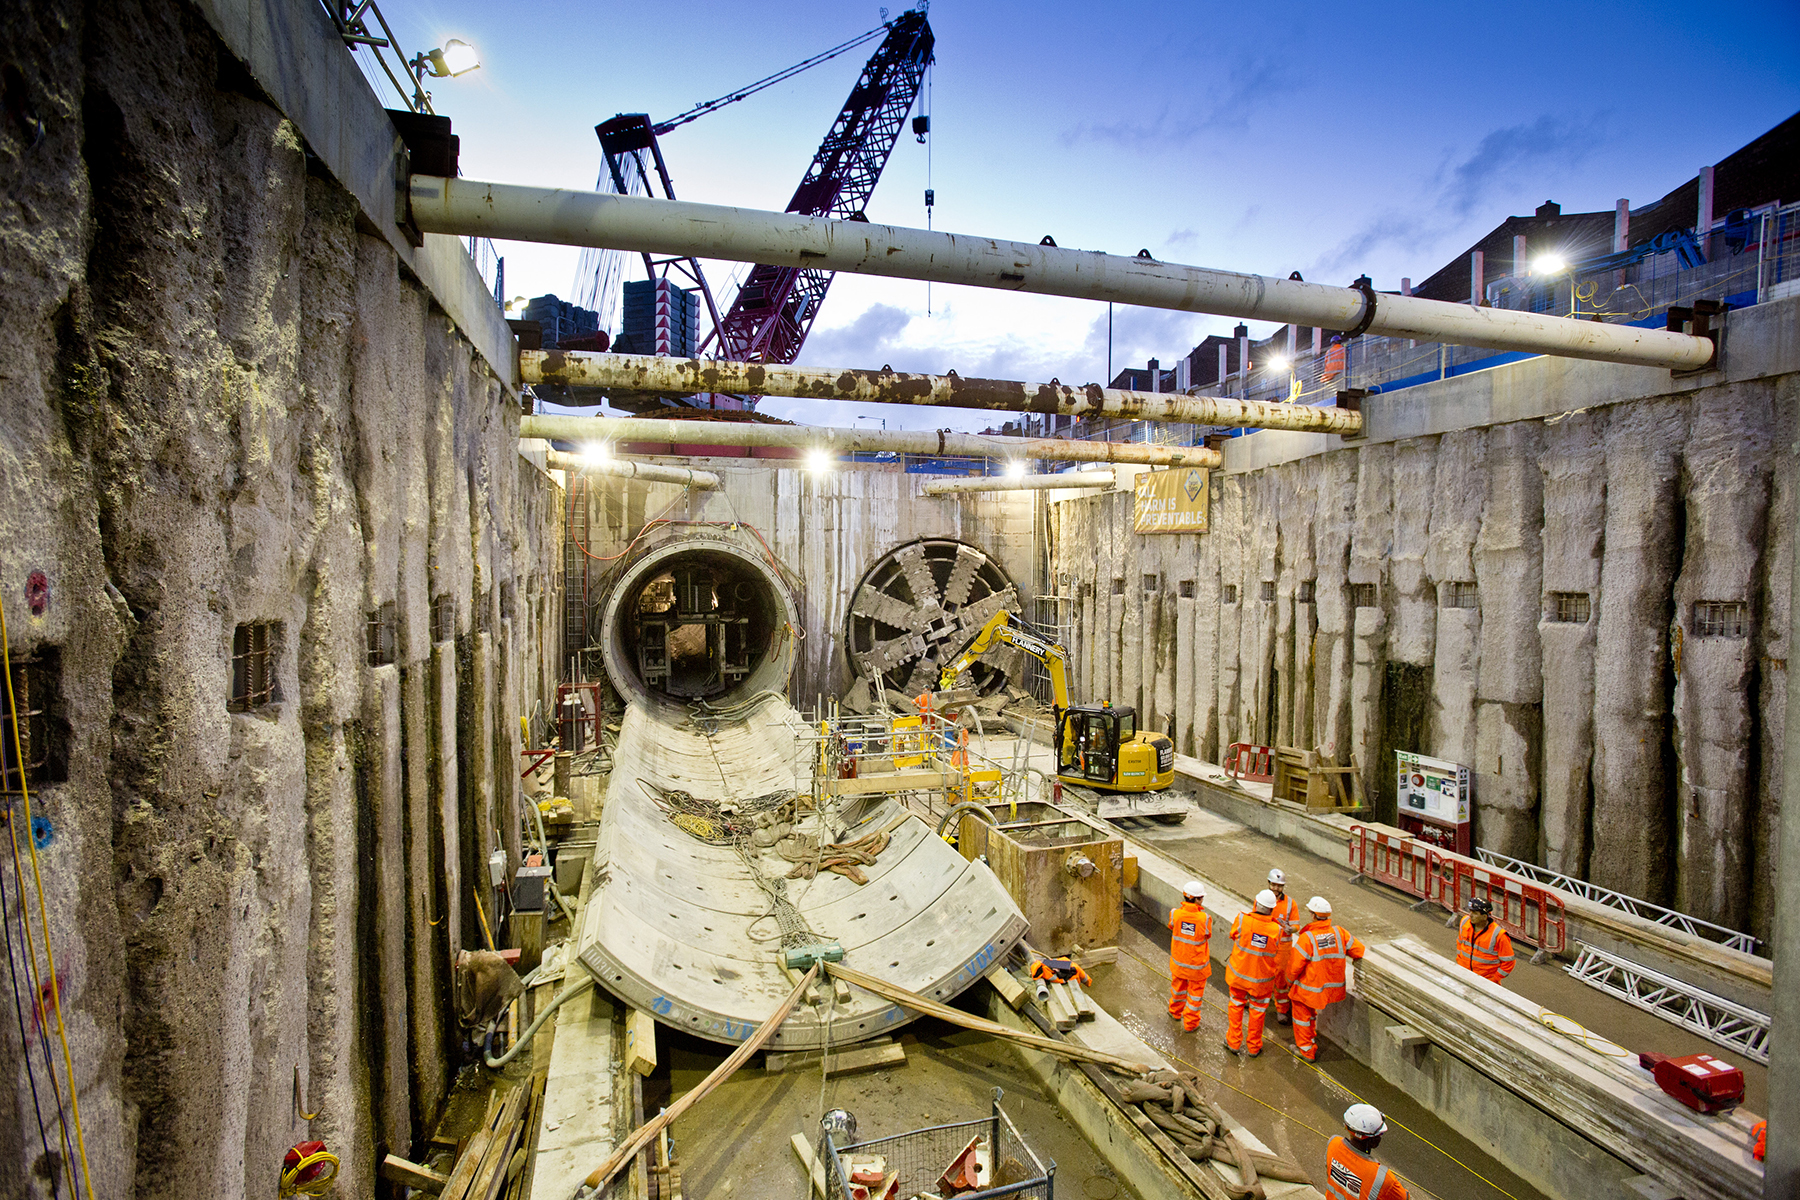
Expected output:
(1171, 501)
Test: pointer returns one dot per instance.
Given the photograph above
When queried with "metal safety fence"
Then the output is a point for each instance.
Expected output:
(1527, 911)
(941, 1159)
(1732, 938)
(1244, 760)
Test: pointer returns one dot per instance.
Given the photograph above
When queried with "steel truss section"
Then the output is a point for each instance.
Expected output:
(1730, 938)
(1718, 1020)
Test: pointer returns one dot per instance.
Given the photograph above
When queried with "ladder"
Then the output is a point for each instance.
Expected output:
(1712, 1017)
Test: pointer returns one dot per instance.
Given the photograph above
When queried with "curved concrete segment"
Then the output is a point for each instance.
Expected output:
(677, 927)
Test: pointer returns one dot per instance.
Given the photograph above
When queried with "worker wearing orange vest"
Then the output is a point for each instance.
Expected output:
(1350, 1174)
(1251, 972)
(1320, 956)
(1333, 364)
(1287, 914)
(1190, 960)
(1483, 946)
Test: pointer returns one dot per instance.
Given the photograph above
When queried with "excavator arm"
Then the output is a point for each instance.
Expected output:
(1005, 629)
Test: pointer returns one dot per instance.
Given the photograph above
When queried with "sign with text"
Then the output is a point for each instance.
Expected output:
(1171, 501)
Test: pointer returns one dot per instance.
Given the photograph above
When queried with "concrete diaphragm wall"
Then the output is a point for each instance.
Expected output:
(229, 404)
(1588, 607)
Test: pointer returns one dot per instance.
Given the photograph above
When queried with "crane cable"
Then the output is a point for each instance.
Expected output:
(12, 708)
(700, 110)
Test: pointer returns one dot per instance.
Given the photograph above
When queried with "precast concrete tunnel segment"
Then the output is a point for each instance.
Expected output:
(562, 216)
(711, 805)
(698, 618)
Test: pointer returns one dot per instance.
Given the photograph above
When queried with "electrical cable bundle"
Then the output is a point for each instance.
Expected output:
(43, 986)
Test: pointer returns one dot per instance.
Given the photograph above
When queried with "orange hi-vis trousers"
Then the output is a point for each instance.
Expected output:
(1306, 1031)
(1235, 1035)
(1187, 993)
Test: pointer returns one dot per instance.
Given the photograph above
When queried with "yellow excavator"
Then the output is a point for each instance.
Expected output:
(1097, 746)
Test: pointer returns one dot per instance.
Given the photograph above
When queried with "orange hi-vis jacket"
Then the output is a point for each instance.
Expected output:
(1190, 933)
(1489, 954)
(1319, 958)
(1254, 965)
(1287, 909)
(1350, 1176)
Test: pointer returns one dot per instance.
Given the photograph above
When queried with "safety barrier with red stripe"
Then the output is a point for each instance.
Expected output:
(1529, 913)
(1393, 859)
(1245, 760)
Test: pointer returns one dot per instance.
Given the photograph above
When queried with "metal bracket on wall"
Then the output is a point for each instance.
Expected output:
(1697, 320)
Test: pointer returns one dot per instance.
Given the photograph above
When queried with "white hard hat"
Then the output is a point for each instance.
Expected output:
(1364, 1120)
(1276, 877)
(1318, 904)
(1265, 899)
(1192, 888)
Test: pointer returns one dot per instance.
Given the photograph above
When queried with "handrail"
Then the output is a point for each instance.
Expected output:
(1732, 938)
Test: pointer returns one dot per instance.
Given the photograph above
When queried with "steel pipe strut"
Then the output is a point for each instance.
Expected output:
(560, 460)
(655, 431)
(1024, 483)
(639, 224)
(687, 376)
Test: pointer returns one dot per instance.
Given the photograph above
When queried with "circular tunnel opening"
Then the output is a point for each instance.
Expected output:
(698, 619)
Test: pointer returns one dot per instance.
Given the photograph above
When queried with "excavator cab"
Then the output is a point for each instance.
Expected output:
(1100, 747)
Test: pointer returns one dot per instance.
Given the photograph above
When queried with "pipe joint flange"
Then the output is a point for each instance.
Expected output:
(1367, 288)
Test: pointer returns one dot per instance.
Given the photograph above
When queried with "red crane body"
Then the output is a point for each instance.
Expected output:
(775, 308)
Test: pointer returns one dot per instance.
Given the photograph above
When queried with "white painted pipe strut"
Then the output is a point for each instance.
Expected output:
(655, 431)
(690, 376)
(1024, 483)
(567, 217)
(623, 468)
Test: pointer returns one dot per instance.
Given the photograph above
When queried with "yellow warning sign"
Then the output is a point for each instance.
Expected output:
(1171, 501)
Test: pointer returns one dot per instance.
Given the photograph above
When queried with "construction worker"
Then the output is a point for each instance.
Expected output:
(1483, 946)
(1333, 365)
(1316, 969)
(1287, 915)
(1251, 971)
(1350, 1174)
(1190, 959)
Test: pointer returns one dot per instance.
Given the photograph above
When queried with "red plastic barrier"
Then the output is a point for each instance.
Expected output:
(1528, 913)
(1399, 862)
(1245, 760)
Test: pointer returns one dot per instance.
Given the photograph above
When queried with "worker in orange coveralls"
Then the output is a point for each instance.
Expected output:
(1190, 960)
(1251, 972)
(1287, 914)
(1316, 969)
(1350, 1174)
(1483, 946)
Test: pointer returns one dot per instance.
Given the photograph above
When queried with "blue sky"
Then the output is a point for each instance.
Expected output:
(1336, 141)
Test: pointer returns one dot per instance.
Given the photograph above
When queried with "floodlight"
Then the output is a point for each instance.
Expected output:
(1278, 364)
(456, 58)
(597, 453)
(1015, 469)
(818, 461)
(1548, 264)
